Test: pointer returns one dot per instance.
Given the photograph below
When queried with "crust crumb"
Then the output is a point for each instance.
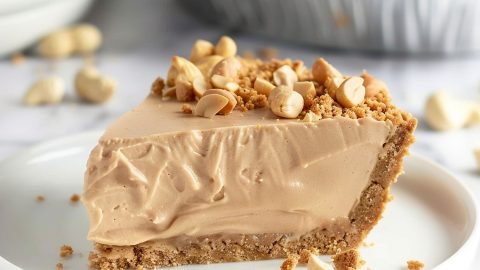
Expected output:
(290, 263)
(66, 251)
(59, 266)
(157, 86)
(305, 255)
(40, 198)
(74, 198)
(187, 109)
(414, 265)
(349, 260)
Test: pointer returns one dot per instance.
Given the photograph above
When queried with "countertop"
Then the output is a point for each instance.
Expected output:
(135, 64)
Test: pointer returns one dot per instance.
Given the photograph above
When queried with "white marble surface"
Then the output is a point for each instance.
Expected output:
(139, 46)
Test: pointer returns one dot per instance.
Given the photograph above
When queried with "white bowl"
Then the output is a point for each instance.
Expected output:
(21, 29)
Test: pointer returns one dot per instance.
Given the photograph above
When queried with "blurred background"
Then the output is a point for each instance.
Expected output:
(416, 47)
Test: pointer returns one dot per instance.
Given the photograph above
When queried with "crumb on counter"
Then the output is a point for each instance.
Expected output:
(290, 263)
(187, 109)
(59, 266)
(74, 198)
(40, 198)
(414, 265)
(66, 251)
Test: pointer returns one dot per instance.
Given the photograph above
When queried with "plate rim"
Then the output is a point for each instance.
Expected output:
(473, 211)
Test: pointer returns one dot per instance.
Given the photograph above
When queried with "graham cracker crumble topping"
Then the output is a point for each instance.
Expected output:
(59, 266)
(414, 265)
(290, 263)
(187, 109)
(74, 198)
(334, 96)
(66, 251)
(40, 198)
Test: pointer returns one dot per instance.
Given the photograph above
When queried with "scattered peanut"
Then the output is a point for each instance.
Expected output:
(443, 112)
(171, 76)
(45, 91)
(226, 47)
(209, 105)
(207, 63)
(87, 38)
(58, 44)
(184, 88)
(232, 101)
(263, 87)
(285, 75)
(314, 263)
(82, 38)
(351, 92)
(93, 86)
(228, 67)
(310, 117)
(321, 70)
(199, 86)
(372, 85)
(306, 89)
(332, 84)
(201, 48)
(157, 86)
(187, 72)
(223, 82)
(285, 102)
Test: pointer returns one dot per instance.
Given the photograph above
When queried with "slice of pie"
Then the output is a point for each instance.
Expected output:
(235, 159)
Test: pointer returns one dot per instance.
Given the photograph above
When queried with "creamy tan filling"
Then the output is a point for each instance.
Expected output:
(272, 177)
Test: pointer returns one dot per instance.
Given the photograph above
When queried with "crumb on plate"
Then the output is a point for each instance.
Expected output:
(290, 263)
(66, 251)
(74, 198)
(59, 266)
(40, 198)
(414, 265)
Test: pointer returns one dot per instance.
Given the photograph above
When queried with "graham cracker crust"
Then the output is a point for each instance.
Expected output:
(270, 246)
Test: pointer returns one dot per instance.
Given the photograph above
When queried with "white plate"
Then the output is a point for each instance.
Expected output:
(433, 217)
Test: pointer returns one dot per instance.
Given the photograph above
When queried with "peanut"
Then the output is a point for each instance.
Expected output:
(226, 47)
(209, 105)
(201, 48)
(87, 38)
(306, 89)
(263, 87)
(232, 101)
(285, 102)
(372, 85)
(228, 67)
(45, 91)
(285, 75)
(321, 70)
(223, 82)
(92, 86)
(351, 92)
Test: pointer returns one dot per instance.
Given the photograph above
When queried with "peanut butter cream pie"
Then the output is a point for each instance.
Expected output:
(234, 159)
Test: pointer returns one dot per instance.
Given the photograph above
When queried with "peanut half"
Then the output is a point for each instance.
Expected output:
(201, 48)
(187, 72)
(443, 112)
(232, 101)
(332, 84)
(209, 105)
(321, 70)
(226, 47)
(45, 91)
(223, 82)
(285, 75)
(228, 67)
(93, 86)
(306, 89)
(263, 87)
(351, 92)
(207, 63)
(285, 102)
